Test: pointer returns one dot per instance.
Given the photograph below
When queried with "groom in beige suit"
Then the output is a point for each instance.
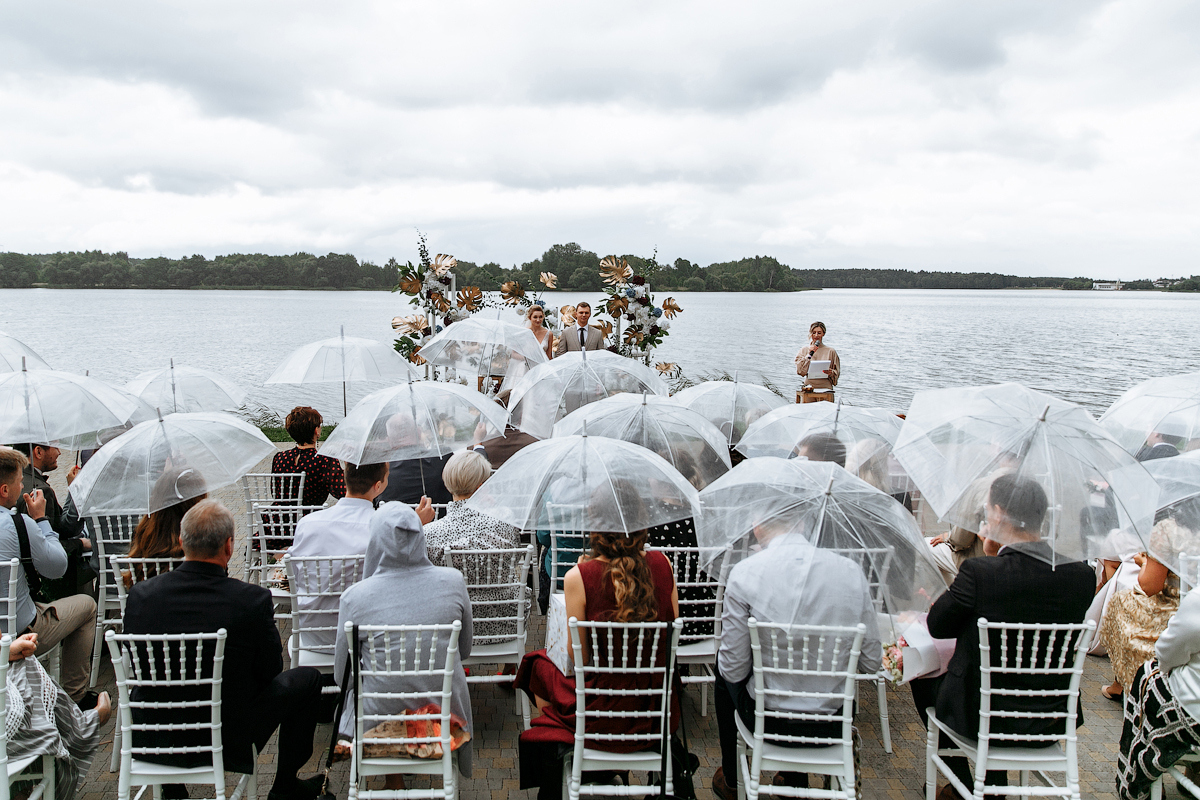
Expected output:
(579, 336)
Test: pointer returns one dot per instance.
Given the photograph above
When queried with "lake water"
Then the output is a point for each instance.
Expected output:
(1087, 347)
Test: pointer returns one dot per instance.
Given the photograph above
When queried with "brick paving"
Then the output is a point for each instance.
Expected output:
(899, 776)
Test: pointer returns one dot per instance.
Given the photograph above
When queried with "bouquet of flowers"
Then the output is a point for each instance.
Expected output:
(629, 299)
(893, 660)
(429, 287)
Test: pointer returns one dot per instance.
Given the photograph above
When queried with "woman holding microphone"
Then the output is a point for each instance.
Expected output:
(818, 382)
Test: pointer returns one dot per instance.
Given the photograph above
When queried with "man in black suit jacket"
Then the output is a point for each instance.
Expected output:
(1018, 585)
(256, 695)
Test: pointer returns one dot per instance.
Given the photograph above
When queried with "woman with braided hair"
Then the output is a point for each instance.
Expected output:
(616, 581)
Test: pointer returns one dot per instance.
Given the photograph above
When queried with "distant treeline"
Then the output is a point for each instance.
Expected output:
(576, 268)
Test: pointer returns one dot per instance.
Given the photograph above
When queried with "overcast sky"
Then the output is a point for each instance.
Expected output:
(1022, 136)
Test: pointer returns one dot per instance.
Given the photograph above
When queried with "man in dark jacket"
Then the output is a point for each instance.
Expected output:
(257, 696)
(1018, 585)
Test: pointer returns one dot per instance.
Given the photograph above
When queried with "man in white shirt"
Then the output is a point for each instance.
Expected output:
(788, 581)
(342, 530)
(579, 336)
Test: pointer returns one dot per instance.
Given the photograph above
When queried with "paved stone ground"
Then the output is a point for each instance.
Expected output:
(900, 775)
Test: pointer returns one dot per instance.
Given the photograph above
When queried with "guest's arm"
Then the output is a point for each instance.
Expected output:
(467, 634)
(336, 479)
(1153, 576)
(1181, 640)
(872, 648)
(268, 661)
(575, 600)
(954, 611)
(340, 650)
(733, 657)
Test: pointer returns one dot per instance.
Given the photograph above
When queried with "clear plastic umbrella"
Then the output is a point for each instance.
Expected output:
(1169, 407)
(45, 405)
(687, 440)
(343, 359)
(93, 440)
(862, 438)
(417, 419)
(168, 460)
(179, 388)
(600, 484)
(955, 442)
(16, 355)
(730, 405)
(791, 505)
(483, 347)
(1175, 539)
(550, 391)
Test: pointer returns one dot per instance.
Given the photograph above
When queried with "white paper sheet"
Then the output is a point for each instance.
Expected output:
(816, 369)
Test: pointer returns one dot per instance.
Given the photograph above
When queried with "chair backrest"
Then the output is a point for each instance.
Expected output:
(701, 593)
(568, 541)
(135, 570)
(623, 659)
(876, 563)
(8, 603)
(264, 488)
(809, 666)
(315, 585)
(496, 585)
(111, 536)
(271, 533)
(406, 666)
(178, 709)
(1021, 661)
(1189, 572)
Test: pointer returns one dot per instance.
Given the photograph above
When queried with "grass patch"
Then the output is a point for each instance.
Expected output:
(281, 434)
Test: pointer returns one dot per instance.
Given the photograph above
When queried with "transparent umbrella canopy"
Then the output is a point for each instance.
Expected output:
(865, 435)
(687, 440)
(600, 484)
(550, 391)
(93, 440)
(1167, 406)
(180, 388)
(168, 460)
(788, 505)
(483, 347)
(43, 406)
(16, 355)
(417, 419)
(1175, 538)
(955, 442)
(343, 359)
(730, 405)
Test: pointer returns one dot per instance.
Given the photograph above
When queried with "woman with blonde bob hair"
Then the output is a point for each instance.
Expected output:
(616, 581)
(465, 528)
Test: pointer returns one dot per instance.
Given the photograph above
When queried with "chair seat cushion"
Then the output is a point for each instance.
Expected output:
(823, 755)
(703, 649)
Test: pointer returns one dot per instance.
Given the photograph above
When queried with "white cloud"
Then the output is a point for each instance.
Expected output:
(1023, 137)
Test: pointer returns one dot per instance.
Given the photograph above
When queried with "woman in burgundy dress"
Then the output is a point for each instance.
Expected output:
(322, 475)
(616, 582)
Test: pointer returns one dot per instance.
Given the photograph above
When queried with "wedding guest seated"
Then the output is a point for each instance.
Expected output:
(822, 447)
(406, 589)
(1162, 714)
(257, 695)
(617, 581)
(502, 448)
(1160, 444)
(1136, 616)
(463, 527)
(43, 719)
(157, 534)
(70, 620)
(790, 582)
(410, 479)
(1018, 586)
(340, 530)
(322, 474)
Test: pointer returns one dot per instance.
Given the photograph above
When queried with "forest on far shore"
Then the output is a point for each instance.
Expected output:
(576, 268)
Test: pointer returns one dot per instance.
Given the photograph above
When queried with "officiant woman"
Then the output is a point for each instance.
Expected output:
(818, 386)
